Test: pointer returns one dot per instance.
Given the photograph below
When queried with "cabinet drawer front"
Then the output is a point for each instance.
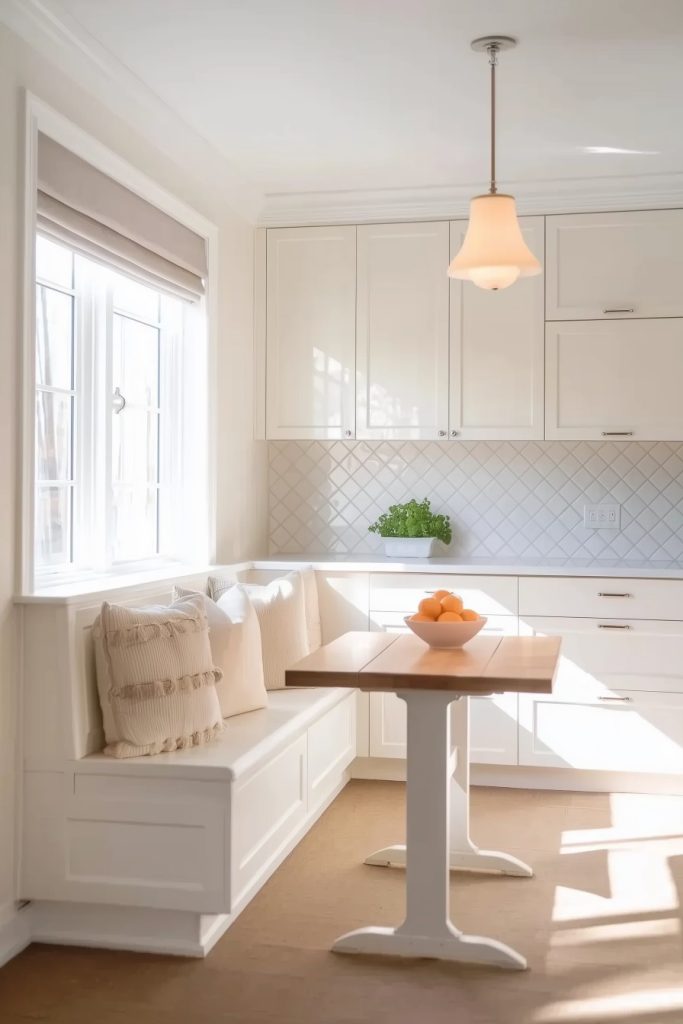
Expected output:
(642, 732)
(401, 592)
(630, 262)
(595, 661)
(601, 598)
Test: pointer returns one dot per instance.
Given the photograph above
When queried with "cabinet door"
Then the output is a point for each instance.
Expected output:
(616, 380)
(311, 332)
(493, 727)
(496, 352)
(614, 265)
(610, 709)
(402, 348)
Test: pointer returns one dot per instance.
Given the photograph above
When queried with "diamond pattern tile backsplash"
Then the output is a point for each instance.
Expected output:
(505, 499)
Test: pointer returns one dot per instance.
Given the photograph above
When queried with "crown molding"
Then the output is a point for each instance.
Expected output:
(62, 41)
(562, 195)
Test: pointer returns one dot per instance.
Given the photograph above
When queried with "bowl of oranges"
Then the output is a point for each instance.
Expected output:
(441, 620)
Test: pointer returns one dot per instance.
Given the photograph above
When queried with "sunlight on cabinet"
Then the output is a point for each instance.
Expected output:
(402, 331)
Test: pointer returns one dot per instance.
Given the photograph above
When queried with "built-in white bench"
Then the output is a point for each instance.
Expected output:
(160, 853)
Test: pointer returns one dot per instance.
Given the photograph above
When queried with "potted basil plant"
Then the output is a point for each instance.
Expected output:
(412, 530)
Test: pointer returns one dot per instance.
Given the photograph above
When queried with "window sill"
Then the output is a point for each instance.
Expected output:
(102, 584)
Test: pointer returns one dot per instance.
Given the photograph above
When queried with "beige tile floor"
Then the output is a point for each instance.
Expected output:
(600, 924)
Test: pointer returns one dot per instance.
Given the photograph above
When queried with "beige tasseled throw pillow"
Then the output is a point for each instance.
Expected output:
(156, 678)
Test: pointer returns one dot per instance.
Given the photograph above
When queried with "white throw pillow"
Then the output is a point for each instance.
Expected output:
(281, 610)
(235, 639)
(156, 678)
(218, 585)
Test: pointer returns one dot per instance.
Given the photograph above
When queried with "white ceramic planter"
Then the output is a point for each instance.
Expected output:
(409, 547)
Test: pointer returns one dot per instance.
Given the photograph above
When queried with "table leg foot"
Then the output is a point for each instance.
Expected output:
(447, 945)
(458, 860)
(489, 860)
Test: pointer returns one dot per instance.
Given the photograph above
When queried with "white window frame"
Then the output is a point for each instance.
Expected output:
(204, 324)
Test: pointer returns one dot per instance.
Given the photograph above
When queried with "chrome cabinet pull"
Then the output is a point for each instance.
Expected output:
(616, 433)
(612, 625)
(620, 700)
(624, 310)
(454, 433)
(348, 433)
(442, 433)
(606, 593)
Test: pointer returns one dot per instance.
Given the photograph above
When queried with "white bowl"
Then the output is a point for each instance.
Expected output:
(446, 634)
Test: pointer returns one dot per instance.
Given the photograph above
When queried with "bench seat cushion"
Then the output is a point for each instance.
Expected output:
(245, 741)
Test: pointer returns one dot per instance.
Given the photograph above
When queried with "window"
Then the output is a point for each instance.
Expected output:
(118, 455)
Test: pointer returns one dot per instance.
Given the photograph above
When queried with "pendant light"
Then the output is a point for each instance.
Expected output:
(494, 253)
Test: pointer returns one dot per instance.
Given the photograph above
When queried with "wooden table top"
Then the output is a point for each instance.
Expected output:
(391, 661)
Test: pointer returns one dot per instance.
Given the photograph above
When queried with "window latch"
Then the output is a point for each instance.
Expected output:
(118, 401)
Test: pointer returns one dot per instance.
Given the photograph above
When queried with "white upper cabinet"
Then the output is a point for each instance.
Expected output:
(402, 331)
(614, 265)
(620, 380)
(311, 332)
(496, 355)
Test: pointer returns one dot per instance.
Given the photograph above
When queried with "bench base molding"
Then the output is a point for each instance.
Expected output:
(577, 780)
(15, 933)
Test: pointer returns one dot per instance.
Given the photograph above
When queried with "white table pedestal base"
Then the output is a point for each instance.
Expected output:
(463, 855)
(437, 790)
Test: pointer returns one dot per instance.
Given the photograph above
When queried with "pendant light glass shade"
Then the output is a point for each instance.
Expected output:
(494, 253)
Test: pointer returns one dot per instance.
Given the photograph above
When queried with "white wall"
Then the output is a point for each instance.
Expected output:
(241, 484)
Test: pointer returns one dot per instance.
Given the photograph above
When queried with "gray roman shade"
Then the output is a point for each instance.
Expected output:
(89, 211)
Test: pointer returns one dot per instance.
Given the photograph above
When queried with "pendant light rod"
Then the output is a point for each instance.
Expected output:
(493, 45)
(493, 60)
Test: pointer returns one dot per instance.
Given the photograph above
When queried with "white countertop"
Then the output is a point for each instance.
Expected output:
(615, 568)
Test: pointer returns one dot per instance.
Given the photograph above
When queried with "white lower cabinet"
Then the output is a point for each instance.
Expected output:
(493, 727)
(493, 720)
(617, 703)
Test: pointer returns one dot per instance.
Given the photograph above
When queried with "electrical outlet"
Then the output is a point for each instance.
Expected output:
(602, 517)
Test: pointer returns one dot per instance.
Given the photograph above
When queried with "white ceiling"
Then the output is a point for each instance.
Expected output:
(318, 95)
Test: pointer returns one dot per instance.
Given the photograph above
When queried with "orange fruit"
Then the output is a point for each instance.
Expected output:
(439, 595)
(449, 617)
(451, 603)
(430, 607)
(468, 615)
(417, 617)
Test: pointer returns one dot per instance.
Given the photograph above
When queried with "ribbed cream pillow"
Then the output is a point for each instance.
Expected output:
(156, 677)
(235, 639)
(281, 610)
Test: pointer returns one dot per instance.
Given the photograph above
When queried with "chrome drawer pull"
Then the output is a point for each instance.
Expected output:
(620, 700)
(606, 593)
(612, 625)
(616, 433)
(624, 310)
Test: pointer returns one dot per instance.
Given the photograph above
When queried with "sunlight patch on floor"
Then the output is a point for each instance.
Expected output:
(623, 1006)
